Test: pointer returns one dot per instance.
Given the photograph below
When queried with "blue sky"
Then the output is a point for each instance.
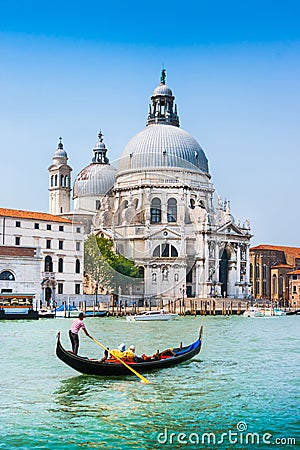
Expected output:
(71, 68)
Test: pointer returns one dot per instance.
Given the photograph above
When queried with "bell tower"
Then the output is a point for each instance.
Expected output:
(59, 182)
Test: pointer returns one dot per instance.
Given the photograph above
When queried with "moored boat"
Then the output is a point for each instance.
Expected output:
(252, 312)
(17, 306)
(167, 358)
(66, 310)
(151, 315)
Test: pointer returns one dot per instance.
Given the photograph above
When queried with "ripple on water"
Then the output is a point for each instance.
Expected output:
(247, 370)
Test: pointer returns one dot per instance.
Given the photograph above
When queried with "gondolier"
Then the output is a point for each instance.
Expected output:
(73, 333)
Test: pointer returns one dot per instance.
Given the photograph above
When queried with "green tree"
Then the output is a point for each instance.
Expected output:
(106, 266)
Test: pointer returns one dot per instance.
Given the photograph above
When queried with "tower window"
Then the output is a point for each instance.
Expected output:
(192, 203)
(155, 210)
(62, 181)
(52, 180)
(98, 204)
(172, 210)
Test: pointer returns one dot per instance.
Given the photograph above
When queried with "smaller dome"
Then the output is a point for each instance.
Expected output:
(60, 153)
(162, 89)
(95, 179)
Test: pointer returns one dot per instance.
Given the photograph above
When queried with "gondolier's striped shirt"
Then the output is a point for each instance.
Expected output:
(76, 325)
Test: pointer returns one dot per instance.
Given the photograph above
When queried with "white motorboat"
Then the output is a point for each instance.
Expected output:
(252, 312)
(151, 315)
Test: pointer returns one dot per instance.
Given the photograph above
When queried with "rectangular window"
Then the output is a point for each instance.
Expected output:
(77, 288)
(294, 277)
(48, 243)
(60, 245)
(48, 226)
(18, 224)
(294, 289)
(36, 226)
(60, 288)
(77, 246)
(257, 288)
(61, 228)
(17, 240)
(264, 272)
(78, 229)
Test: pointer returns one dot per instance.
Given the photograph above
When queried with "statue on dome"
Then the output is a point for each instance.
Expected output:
(163, 76)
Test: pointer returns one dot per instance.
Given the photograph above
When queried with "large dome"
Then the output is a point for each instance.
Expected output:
(163, 146)
(95, 179)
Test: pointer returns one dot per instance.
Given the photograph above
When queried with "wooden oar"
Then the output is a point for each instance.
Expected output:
(123, 362)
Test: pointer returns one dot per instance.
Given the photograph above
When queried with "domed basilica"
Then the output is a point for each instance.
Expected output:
(159, 206)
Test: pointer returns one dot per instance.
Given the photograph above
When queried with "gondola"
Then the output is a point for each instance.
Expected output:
(167, 358)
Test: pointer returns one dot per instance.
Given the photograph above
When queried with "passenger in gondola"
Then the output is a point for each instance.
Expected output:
(118, 352)
(129, 354)
(73, 333)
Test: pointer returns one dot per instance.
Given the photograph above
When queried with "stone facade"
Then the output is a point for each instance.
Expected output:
(52, 245)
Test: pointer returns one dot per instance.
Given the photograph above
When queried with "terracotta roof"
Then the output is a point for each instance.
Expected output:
(282, 266)
(294, 272)
(293, 251)
(16, 251)
(17, 213)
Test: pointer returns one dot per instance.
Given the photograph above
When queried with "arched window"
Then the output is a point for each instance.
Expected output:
(48, 264)
(6, 275)
(62, 180)
(165, 251)
(66, 181)
(172, 210)
(192, 203)
(60, 265)
(257, 271)
(77, 266)
(52, 180)
(55, 180)
(155, 211)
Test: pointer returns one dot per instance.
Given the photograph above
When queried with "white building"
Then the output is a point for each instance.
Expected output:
(41, 254)
(161, 209)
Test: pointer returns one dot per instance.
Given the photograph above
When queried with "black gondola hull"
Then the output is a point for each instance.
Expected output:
(107, 369)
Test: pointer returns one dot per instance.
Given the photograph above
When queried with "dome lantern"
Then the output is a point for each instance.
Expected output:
(100, 151)
(161, 110)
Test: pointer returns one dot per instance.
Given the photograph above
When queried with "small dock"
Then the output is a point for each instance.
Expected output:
(186, 307)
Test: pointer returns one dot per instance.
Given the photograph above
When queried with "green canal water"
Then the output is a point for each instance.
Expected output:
(241, 391)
